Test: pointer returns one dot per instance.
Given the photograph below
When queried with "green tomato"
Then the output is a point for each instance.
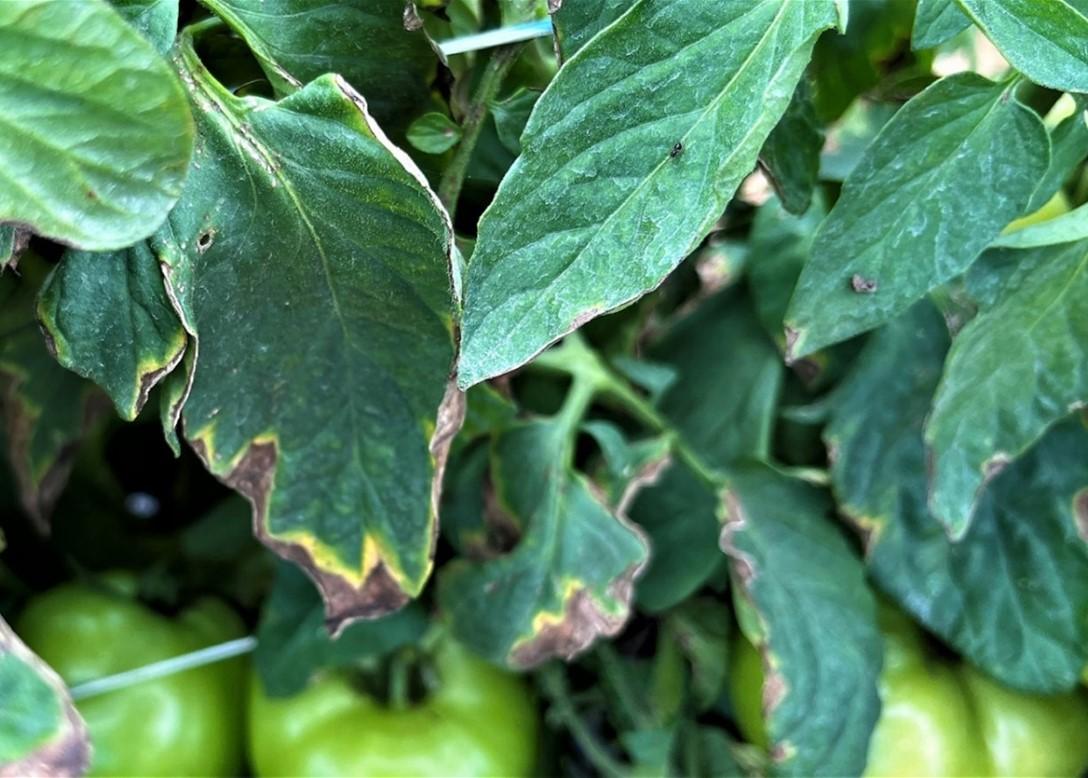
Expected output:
(190, 723)
(746, 692)
(480, 721)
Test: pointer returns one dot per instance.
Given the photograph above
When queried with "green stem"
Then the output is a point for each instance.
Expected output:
(554, 684)
(400, 666)
(449, 187)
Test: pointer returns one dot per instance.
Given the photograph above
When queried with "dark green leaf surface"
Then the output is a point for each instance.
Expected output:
(324, 345)
(108, 319)
(817, 622)
(1043, 39)
(791, 155)
(570, 578)
(157, 20)
(575, 23)
(362, 40)
(293, 643)
(972, 593)
(905, 223)
(936, 21)
(96, 136)
(511, 114)
(603, 203)
(1014, 371)
(40, 731)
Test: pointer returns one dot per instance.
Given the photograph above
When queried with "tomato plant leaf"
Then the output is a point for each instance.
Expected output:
(96, 135)
(46, 408)
(13, 242)
(1067, 228)
(612, 191)
(1031, 637)
(298, 40)
(817, 621)
(40, 731)
(434, 133)
(338, 426)
(1069, 147)
(569, 579)
(293, 643)
(937, 21)
(576, 23)
(1015, 370)
(157, 20)
(905, 223)
(511, 115)
(791, 155)
(108, 319)
(1044, 41)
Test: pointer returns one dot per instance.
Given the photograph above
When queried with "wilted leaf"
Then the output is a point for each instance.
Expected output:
(1043, 40)
(1014, 371)
(41, 733)
(791, 155)
(96, 133)
(905, 222)
(365, 42)
(610, 192)
(324, 345)
(108, 319)
(821, 649)
(935, 22)
(570, 578)
(1029, 636)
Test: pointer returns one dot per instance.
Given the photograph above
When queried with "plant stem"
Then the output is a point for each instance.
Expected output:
(554, 684)
(399, 669)
(449, 187)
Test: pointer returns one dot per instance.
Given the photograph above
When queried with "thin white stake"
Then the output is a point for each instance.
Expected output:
(176, 664)
(500, 37)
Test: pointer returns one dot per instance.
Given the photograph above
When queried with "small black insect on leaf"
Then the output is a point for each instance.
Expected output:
(677, 150)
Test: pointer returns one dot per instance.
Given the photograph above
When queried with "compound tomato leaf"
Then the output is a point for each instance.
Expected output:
(570, 578)
(907, 220)
(822, 652)
(323, 346)
(937, 21)
(1018, 368)
(40, 731)
(96, 135)
(628, 160)
(108, 319)
(365, 42)
(1030, 637)
(1043, 40)
(791, 155)
(156, 20)
(576, 22)
(46, 408)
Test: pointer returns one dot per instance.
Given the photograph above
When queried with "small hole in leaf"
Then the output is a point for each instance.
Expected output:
(204, 240)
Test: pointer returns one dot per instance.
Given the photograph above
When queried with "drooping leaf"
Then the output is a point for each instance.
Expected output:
(937, 21)
(570, 578)
(817, 628)
(293, 643)
(157, 20)
(323, 346)
(612, 192)
(365, 42)
(46, 409)
(1069, 147)
(96, 137)
(1043, 40)
(1014, 371)
(1028, 636)
(905, 222)
(434, 133)
(791, 155)
(109, 320)
(40, 731)
(576, 23)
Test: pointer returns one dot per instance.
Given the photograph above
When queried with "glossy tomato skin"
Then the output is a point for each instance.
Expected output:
(188, 724)
(480, 721)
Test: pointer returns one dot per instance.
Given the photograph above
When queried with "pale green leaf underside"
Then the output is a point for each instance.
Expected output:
(628, 159)
(324, 343)
(95, 135)
(908, 218)
(1067, 228)
(1031, 637)
(1043, 39)
(1015, 370)
(817, 617)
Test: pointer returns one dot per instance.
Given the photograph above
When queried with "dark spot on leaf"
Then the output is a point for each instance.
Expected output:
(204, 240)
(862, 285)
(91, 195)
(676, 150)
